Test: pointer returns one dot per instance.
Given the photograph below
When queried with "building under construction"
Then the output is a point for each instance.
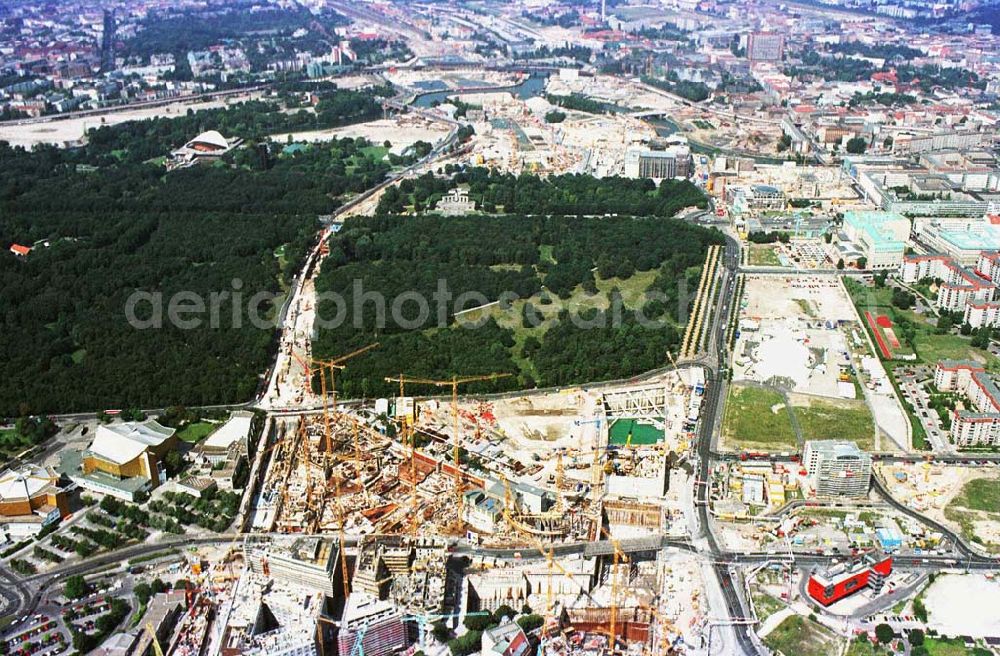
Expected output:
(410, 572)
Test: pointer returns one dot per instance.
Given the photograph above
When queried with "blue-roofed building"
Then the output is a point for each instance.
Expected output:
(889, 537)
(879, 236)
(481, 511)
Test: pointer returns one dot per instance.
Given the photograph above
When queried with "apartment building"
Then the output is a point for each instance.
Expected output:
(980, 424)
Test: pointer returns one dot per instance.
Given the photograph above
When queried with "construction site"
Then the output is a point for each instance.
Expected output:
(409, 479)
(544, 466)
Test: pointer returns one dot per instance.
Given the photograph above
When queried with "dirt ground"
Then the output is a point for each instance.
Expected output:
(401, 133)
(60, 131)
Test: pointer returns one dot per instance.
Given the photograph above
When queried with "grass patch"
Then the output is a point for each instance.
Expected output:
(375, 153)
(196, 432)
(798, 636)
(757, 418)
(861, 646)
(950, 647)
(929, 347)
(823, 420)
(766, 605)
(763, 256)
(980, 494)
(545, 253)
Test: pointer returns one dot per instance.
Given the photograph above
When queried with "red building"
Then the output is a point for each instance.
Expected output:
(845, 579)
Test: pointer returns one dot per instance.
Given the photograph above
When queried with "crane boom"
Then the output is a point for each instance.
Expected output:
(157, 649)
(453, 383)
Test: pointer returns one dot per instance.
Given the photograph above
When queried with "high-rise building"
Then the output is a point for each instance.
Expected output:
(108, 41)
(837, 468)
(766, 46)
(658, 161)
(308, 563)
(378, 625)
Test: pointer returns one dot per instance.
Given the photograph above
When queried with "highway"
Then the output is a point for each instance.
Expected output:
(880, 456)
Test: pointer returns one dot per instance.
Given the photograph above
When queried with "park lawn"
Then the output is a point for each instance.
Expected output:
(197, 431)
(863, 647)
(545, 253)
(375, 153)
(763, 256)
(632, 289)
(842, 420)
(933, 348)
(753, 420)
(798, 636)
(980, 494)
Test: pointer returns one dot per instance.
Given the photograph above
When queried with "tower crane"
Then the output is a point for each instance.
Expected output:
(619, 557)
(595, 469)
(408, 438)
(322, 366)
(543, 549)
(453, 383)
(157, 649)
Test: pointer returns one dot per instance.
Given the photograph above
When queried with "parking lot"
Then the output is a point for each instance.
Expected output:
(38, 634)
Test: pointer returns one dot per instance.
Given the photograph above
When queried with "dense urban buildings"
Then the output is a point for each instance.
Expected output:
(555, 328)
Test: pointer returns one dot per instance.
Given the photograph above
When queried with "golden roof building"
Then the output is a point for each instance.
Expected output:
(124, 460)
(30, 499)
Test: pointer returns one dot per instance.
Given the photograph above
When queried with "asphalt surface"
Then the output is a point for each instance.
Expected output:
(711, 405)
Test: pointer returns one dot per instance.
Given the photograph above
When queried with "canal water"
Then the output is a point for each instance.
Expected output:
(532, 86)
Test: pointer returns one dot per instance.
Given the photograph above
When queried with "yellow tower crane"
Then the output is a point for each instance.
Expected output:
(328, 396)
(453, 384)
(152, 636)
(619, 557)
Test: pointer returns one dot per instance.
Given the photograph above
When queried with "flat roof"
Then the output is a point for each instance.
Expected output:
(237, 428)
(873, 223)
(974, 237)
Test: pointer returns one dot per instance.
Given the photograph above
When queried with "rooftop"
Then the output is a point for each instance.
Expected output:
(122, 443)
(26, 482)
(970, 236)
(873, 223)
(237, 428)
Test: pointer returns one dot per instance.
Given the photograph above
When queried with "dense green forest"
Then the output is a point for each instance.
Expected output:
(849, 69)
(694, 91)
(107, 220)
(528, 194)
(549, 259)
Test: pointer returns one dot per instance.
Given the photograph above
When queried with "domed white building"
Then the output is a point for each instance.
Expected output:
(208, 145)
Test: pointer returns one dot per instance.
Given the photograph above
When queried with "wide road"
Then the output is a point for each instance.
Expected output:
(711, 407)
